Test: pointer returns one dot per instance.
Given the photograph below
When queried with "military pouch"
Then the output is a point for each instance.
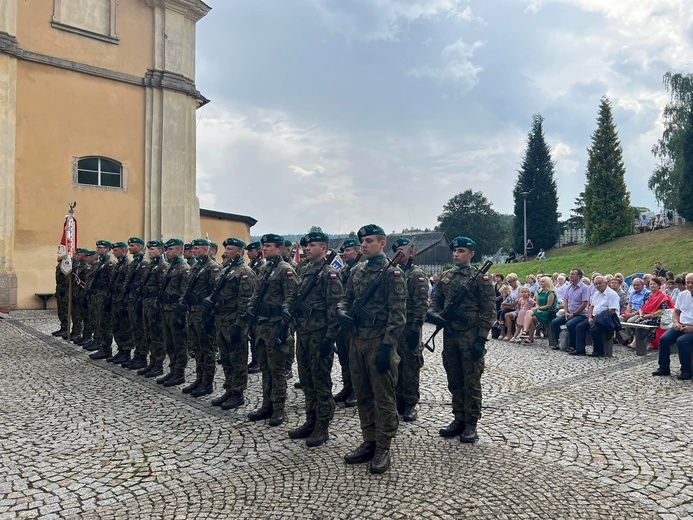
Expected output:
(368, 319)
(265, 311)
(192, 299)
(304, 311)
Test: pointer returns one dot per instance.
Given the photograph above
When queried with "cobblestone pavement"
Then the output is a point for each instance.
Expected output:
(561, 438)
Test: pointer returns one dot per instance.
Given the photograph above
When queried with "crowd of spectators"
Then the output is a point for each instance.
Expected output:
(575, 307)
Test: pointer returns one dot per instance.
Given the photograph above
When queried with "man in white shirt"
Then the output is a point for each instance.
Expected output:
(604, 303)
(681, 333)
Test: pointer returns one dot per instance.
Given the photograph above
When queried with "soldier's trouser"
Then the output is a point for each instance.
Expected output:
(175, 342)
(137, 324)
(272, 360)
(205, 350)
(464, 375)
(153, 334)
(103, 328)
(375, 392)
(122, 328)
(409, 369)
(315, 373)
(253, 346)
(343, 340)
(291, 356)
(61, 298)
(91, 312)
(77, 317)
(233, 356)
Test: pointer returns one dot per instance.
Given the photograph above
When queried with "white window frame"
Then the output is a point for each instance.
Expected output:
(123, 174)
(111, 37)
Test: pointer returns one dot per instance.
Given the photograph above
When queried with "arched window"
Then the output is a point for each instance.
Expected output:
(99, 171)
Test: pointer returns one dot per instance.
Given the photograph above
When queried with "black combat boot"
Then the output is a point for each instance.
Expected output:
(175, 380)
(254, 367)
(59, 332)
(192, 386)
(233, 402)
(143, 371)
(103, 353)
(342, 395)
(218, 401)
(453, 429)
(115, 357)
(165, 378)
(351, 401)
(91, 346)
(277, 418)
(469, 435)
(363, 453)
(303, 431)
(260, 414)
(381, 460)
(410, 412)
(319, 435)
(136, 364)
(154, 372)
(204, 388)
(75, 338)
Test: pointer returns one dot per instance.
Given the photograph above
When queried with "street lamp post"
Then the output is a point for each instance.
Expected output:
(524, 197)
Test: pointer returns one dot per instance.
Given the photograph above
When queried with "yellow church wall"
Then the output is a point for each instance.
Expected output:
(221, 229)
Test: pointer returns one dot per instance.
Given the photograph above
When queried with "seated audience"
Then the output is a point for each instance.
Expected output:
(636, 300)
(671, 289)
(644, 224)
(680, 334)
(615, 285)
(524, 304)
(512, 258)
(658, 222)
(542, 254)
(659, 270)
(546, 303)
(603, 305)
(577, 297)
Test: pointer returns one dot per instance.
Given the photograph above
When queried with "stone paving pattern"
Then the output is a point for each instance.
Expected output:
(561, 437)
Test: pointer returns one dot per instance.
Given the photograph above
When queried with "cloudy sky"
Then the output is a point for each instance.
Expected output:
(343, 112)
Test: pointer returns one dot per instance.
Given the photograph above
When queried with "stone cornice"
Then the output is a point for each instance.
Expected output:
(192, 9)
(153, 78)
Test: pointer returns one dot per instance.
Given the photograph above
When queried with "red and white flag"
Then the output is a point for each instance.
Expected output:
(297, 254)
(68, 244)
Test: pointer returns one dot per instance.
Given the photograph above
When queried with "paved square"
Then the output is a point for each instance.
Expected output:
(560, 438)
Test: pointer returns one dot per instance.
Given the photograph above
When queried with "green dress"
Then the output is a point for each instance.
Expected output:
(543, 316)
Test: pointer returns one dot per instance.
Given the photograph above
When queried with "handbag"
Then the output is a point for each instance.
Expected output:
(666, 320)
(495, 330)
(564, 339)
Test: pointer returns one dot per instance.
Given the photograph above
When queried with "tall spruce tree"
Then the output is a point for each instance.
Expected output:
(607, 211)
(536, 179)
(685, 203)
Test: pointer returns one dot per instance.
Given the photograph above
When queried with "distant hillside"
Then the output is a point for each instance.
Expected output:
(632, 254)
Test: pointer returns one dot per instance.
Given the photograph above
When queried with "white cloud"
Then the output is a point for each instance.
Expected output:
(456, 67)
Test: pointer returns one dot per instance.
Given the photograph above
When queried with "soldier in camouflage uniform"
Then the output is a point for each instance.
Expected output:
(270, 310)
(203, 277)
(77, 295)
(410, 348)
(122, 330)
(257, 263)
(229, 303)
(288, 258)
(464, 337)
(61, 287)
(173, 317)
(139, 267)
(101, 299)
(92, 263)
(373, 351)
(316, 330)
(153, 344)
(188, 255)
(351, 251)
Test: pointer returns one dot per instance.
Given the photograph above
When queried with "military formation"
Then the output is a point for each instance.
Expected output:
(164, 305)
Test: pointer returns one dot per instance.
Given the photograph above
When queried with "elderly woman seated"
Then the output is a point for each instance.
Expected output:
(651, 312)
(546, 303)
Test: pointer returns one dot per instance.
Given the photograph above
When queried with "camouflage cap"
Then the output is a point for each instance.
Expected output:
(135, 240)
(399, 243)
(105, 243)
(462, 242)
(234, 242)
(200, 242)
(316, 236)
(119, 244)
(369, 230)
(172, 242)
(271, 238)
(253, 245)
(351, 242)
(155, 243)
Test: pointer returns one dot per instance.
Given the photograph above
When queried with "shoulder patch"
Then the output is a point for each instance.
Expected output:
(397, 272)
(399, 288)
(215, 269)
(422, 279)
(333, 276)
(244, 277)
(289, 273)
(486, 278)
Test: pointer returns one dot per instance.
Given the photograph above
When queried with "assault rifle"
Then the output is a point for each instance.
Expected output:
(347, 269)
(359, 304)
(209, 302)
(300, 298)
(450, 311)
(255, 309)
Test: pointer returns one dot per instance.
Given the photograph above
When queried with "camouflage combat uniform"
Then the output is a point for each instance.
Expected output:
(61, 288)
(139, 267)
(153, 344)
(174, 286)
(101, 300)
(122, 329)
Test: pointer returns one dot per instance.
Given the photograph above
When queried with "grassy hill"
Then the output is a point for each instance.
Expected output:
(632, 254)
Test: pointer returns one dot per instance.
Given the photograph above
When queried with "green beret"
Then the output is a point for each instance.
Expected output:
(119, 244)
(234, 242)
(253, 245)
(462, 242)
(303, 242)
(155, 243)
(135, 240)
(214, 244)
(104, 243)
(288, 243)
(200, 242)
(173, 242)
(399, 243)
(351, 242)
(272, 239)
(316, 236)
(187, 247)
(81, 250)
(90, 253)
(369, 230)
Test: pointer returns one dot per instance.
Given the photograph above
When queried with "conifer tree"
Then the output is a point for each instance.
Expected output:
(607, 201)
(536, 179)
